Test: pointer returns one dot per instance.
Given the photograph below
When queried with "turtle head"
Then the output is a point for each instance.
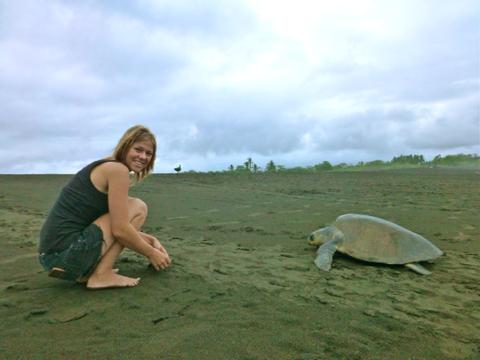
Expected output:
(321, 236)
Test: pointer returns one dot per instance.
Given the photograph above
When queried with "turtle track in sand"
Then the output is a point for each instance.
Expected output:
(443, 305)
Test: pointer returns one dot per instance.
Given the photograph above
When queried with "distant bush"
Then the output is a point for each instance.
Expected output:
(459, 159)
(241, 169)
(341, 166)
(376, 163)
(323, 166)
(408, 159)
(298, 169)
(271, 167)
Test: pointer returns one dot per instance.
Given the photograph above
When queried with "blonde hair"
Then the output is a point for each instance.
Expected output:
(134, 134)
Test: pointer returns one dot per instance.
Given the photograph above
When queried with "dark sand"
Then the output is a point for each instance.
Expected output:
(243, 284)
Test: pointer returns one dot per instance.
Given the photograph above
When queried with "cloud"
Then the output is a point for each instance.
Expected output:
(298, 82)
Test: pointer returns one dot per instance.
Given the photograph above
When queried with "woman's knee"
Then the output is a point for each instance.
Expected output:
(137, 208)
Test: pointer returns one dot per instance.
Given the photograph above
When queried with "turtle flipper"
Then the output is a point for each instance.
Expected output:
(418, 268)
(325, 255)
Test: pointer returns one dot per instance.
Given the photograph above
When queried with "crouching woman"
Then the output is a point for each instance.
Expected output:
(94, 219)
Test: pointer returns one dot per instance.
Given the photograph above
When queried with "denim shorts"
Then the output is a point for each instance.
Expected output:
(80, 258)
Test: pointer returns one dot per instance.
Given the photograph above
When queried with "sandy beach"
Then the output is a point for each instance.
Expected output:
(243, 284)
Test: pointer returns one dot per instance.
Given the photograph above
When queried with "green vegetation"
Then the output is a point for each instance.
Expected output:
(455, 160)
(403, 161)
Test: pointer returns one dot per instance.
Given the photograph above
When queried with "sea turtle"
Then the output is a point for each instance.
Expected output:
(372, 239)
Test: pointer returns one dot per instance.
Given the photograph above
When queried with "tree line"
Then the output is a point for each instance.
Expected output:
(414, 160)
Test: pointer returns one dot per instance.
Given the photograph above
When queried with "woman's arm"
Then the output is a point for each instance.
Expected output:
(152, 240)
(122, 229)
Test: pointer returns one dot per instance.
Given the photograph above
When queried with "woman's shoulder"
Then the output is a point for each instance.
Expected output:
(109, 167)
(114, 166)
(105, 171)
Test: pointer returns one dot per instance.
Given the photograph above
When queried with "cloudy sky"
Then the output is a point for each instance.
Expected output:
(297, 82)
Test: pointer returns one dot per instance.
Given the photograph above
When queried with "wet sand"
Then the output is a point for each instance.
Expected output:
(243, 284)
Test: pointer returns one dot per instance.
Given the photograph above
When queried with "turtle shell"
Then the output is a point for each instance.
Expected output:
(377, 240)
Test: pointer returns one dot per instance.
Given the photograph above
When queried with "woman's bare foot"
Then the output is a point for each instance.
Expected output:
(110, 279)
(84, 279)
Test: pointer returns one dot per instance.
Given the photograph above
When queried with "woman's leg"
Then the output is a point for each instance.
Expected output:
(104, 276)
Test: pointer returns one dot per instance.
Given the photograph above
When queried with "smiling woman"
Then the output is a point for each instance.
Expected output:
(137, 141)
(94, 219)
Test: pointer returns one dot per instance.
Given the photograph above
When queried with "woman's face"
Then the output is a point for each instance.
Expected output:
(139, 155)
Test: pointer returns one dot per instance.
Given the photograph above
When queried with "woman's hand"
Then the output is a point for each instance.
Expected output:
(159, 259)
(156, 244)
(153, 241)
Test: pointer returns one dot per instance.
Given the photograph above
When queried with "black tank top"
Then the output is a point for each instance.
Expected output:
(78, 205)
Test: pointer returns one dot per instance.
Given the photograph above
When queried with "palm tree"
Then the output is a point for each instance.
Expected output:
(248, 164)
(271, 167)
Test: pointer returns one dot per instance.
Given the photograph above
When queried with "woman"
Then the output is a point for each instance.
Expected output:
(94, 219)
